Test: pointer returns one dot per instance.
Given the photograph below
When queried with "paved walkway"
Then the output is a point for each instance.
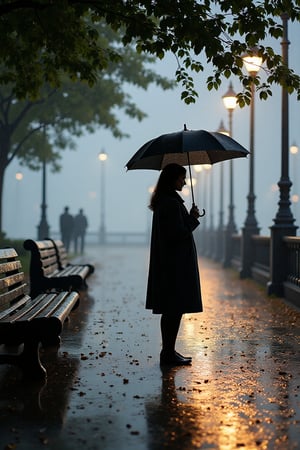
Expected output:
(105, 388)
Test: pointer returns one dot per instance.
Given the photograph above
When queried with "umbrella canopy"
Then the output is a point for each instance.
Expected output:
(186, 147)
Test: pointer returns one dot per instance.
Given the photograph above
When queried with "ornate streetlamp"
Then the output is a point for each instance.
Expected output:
(284, 220)
(43, 227)
(229, 100)
(252, 63)
(102, 156)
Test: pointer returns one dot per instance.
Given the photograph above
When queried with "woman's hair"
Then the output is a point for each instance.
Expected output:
(166, 182)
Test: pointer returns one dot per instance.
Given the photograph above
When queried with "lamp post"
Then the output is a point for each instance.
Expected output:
(284, 220)
(211, 215)
(252, 63)
(206, 234)
(219, 248)
(43, 227)
(102, 156)
(229, 100)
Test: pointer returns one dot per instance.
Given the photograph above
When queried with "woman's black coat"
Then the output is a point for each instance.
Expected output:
(173, 280)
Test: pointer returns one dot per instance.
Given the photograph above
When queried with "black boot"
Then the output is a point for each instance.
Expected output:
(173, 359)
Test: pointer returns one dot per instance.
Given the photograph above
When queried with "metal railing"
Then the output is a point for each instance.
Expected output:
(292, 284)
(260, 268)
(293, 247)
(261, 263)
(113, 238)
(236, 240)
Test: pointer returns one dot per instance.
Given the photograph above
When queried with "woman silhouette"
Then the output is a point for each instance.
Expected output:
(173, 279)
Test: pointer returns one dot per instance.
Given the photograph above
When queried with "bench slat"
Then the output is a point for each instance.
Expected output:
(8, 253)
(33, 308)
(75, 270)
(50, 304)
(19, 304)
(7, 297)
(62, 253)
(47, 270)
(9, 266)
(64, 303)
(10, 280)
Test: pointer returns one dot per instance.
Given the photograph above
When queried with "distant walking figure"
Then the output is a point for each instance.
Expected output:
(173, 279)
(66, 223)
(80, 226)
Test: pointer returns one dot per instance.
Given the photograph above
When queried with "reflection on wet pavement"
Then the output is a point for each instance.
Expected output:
(106, 390)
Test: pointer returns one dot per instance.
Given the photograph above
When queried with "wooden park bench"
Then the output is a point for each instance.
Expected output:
(25, 321)
(47, 272)
(85, 270)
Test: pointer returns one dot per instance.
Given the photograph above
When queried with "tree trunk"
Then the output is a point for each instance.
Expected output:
(4, 162)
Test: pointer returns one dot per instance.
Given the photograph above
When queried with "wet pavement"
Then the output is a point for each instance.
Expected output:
(106, 390)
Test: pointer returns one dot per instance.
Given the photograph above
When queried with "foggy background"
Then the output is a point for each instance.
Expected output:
(78, 183)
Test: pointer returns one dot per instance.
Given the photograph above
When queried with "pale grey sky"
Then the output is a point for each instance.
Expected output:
(78, 184)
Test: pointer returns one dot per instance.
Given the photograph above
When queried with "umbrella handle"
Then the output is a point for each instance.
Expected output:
(203, 211)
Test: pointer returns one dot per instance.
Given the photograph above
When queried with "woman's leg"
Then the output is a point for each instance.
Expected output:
(170, 324)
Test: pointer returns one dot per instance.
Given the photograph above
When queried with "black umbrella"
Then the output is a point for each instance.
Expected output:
(186, 147)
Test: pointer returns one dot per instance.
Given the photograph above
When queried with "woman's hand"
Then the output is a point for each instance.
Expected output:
(195, 212)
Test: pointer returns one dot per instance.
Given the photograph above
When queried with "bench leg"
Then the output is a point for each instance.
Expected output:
(51, 341)
(29, 361)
